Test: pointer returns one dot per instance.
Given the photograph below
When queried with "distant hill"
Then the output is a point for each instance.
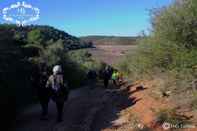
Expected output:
(43, 35)
(110, 40)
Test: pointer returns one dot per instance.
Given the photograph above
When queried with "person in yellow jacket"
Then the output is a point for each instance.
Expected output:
(115, 77)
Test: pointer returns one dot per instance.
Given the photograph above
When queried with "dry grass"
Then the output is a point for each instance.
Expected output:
(111, 54)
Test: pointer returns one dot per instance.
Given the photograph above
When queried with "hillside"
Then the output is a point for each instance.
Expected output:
(110, 40)
(43, 35)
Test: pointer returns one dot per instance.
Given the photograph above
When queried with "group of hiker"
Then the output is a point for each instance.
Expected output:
(106, 74)
(50, 87)
(114, 75)
(54, 86)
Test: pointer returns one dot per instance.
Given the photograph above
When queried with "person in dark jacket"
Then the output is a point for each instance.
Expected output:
(107, 72)
(92, 77)
(39, 78)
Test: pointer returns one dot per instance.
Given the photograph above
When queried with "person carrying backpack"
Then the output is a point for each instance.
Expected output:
(92, 77)
(39, 78)
(115, 77)
(59, 90)
(107, 75)
(92, 74)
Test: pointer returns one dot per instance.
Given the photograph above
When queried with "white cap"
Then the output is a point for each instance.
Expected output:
(57, 69)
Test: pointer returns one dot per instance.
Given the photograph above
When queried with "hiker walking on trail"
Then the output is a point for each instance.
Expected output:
(107, 75)
(59, 90)
(92, 76)
(115, 77)
(121, 78)
(39, 79)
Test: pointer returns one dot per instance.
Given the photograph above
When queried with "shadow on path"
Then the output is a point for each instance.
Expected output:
(114, 104)
(87, 109)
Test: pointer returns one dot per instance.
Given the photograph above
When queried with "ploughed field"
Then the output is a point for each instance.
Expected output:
(111, 54)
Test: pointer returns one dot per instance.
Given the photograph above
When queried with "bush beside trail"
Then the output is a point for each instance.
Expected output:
(169, 52)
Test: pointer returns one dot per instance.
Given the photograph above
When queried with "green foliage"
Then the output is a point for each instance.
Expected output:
(79, 55)
(43, 35)
(170, 47)
(32, 50)
(54, 53)
(176, 23)
(83, 57)
(35, 37)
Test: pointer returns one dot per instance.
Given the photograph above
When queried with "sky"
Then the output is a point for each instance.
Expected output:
(94, 17)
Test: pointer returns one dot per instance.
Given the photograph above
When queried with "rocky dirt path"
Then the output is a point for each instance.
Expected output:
(86, 110)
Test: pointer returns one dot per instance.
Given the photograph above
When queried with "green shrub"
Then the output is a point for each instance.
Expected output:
(176, 23)
(83, 57)
(54, 54)
(170, 47)
(35, 37)
(170, 116)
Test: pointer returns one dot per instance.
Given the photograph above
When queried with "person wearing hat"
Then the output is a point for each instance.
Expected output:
(59, 90)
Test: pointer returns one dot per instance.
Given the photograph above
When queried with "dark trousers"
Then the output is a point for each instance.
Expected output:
(115, 82)
(44, 96)
(59, 99)
(60, 106)
(106, 82)
(44, 105)
(92, 83)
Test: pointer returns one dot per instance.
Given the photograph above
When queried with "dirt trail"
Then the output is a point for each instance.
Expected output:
(81, 112)
(99, 109)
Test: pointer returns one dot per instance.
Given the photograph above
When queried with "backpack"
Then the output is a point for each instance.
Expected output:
(106, 74)
(92, 74)
(59, 89)
(56, 82)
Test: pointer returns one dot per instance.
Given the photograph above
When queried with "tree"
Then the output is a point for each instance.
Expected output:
(35, 37)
